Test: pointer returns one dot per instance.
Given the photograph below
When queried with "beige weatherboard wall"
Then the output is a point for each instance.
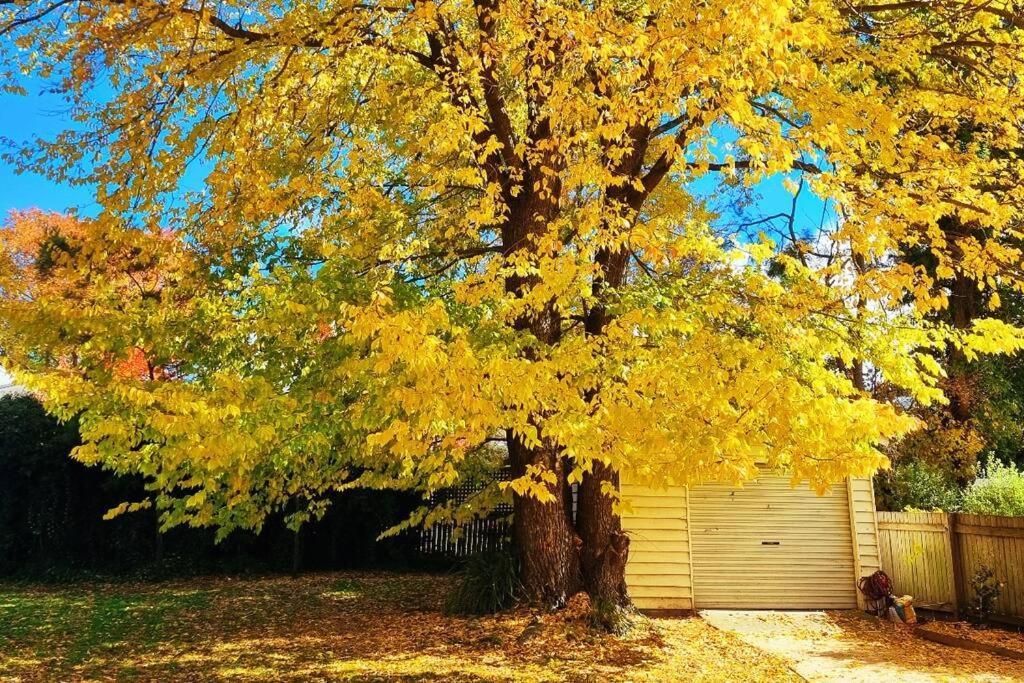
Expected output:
(763, 545)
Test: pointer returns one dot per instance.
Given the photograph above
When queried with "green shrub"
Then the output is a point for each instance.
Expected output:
(999, 491)
(488, 583)
(917, 485)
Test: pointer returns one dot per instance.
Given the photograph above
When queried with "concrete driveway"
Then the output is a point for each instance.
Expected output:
(851, 646)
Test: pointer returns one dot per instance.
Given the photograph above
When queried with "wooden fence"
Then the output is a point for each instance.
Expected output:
(480, 535)
(477, 536)
(932, 556)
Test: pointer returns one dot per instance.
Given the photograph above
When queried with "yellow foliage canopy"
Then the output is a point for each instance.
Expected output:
(378, 235)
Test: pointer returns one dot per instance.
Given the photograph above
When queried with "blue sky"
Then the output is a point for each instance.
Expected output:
(40, 114)
(23, 118)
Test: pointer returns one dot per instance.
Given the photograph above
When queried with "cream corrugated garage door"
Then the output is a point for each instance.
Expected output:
(767, 545)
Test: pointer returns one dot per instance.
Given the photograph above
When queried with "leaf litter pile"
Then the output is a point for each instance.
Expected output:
(1007, 637)
(341, 626)
(391, 627)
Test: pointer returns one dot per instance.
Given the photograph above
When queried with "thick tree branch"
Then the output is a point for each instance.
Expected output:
(1016, 20)
(663, 164)
(445, 65)
(746, 163)
(495, 102)
(668, 126)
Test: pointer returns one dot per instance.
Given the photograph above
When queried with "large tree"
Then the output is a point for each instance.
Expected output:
(389, 233)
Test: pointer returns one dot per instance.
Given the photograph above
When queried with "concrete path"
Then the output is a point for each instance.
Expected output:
(851, 646)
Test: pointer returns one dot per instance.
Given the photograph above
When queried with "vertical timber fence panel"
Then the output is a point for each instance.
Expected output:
(933, 555)
(997, 542)
(917, 556)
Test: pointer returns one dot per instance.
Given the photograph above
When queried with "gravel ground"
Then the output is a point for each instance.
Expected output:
(854, 647)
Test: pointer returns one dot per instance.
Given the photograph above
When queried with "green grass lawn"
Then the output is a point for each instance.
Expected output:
(352, 626)
(390, 627)
(63, 630)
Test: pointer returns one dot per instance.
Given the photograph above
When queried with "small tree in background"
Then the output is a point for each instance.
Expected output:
(986, 589)
(935, 466)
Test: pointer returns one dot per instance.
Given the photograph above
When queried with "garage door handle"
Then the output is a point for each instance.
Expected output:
(771, 543)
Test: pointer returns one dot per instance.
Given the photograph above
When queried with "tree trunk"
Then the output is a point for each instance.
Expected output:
(158, 542)
(605, 544)
(296, 543)
(296, 552)
(545, 543)
(963, 308)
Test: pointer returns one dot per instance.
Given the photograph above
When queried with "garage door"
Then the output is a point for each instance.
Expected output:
(767, 545)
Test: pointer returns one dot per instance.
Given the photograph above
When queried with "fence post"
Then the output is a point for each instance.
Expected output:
(956, 562)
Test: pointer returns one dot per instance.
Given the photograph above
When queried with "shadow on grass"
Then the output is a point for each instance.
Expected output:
(357, 626)
(73, 627)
